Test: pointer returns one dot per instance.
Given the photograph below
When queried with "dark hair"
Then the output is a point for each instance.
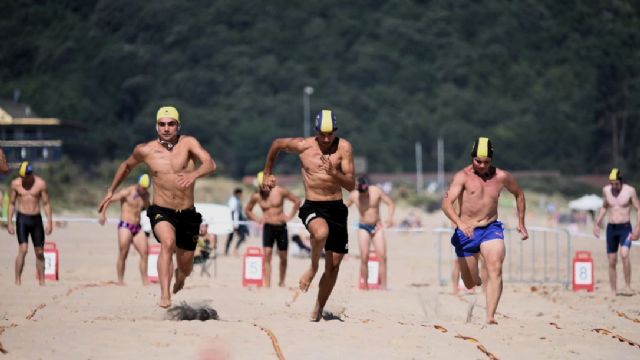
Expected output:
(237, 191)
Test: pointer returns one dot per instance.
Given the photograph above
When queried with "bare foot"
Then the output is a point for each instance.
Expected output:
(120, 283)
(305, 279)
(165, 303)
(18, 282)
(492, 322)
(316, 314)
(179, 284)
(282, 284)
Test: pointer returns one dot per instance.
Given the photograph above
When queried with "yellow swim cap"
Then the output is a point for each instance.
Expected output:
(615, 175)
(25, 169)
(260, 178)
(168, 112)
(326, 122)
(482, 147)
(144, 181)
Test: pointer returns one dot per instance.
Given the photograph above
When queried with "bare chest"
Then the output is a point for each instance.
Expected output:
(622, 200)
(313, 160)
(476, 188)
(33, 192)
(162, 161)
(365, 202)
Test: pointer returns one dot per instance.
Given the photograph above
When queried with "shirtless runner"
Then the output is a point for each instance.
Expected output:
(274, 222)
(171, 160)
(28, 190)
(476, 188)
(133, 199)
(370, 229)
(327, 168)
(618, 199)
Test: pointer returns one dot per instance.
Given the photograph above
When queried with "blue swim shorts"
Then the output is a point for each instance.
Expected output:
(468, 247)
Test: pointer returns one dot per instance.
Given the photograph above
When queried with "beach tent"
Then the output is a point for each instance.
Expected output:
(589, 202)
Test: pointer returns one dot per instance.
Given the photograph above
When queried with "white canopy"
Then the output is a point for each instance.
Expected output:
(586, 202)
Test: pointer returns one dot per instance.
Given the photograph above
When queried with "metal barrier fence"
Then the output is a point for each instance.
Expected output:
(543, 258)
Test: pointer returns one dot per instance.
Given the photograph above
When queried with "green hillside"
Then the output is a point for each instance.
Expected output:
(555, 84)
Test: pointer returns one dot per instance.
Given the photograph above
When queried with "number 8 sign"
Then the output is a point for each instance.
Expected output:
(583, 271)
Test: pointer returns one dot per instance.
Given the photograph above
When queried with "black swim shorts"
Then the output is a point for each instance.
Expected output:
(275, 233)
(30, 225)
(335, 214)
(186, 222)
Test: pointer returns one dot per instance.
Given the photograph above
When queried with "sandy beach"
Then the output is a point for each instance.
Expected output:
(85, 315)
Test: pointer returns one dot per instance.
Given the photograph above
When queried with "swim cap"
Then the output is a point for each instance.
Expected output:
(482, 147)
(363, 184)
(144, 181)
(168, 112)
(25, 169)
(260, 178)
(326, 122)
(615, 175)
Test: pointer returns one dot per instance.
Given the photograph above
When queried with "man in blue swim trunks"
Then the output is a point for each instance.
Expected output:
(133, 199)
(370, 229)
(476, 188)
(327, 168)
(618, 199)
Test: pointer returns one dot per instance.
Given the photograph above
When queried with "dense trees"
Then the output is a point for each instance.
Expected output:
(555, 84)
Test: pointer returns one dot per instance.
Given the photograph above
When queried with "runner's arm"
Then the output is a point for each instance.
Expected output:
(521, 204)
(208, 165)
(292, 145)
(391, 207)
(636, 204)
(13, 194)
(296, 203)
(346, 178)
(123, 170)
(600, 216)
(248, 208)
(47, 209)
(4, 167)
(451, 196)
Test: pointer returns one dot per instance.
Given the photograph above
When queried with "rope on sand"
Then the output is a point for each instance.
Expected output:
(625, 316)
(33, 312)
(274, 341)
(2, 329)
(617, 337)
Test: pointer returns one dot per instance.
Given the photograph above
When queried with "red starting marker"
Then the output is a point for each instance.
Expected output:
(51, 261)
(152, 262)
(583, 271)
(252, 266)
(373, 278)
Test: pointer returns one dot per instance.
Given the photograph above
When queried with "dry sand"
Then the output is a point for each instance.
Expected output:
(85, 316)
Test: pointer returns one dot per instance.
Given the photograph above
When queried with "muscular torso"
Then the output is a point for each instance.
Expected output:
(619, 206)
(28, 200)
(368, 205)
(318, 185)
(164, 167)
(478, 199)
(132, 205)
(272, 207)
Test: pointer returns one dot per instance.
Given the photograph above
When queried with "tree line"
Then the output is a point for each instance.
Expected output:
(554, 84)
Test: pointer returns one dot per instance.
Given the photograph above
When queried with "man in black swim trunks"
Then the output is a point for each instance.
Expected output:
(327, 168)
(171, 160)
(274, 222)
(28, 190)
